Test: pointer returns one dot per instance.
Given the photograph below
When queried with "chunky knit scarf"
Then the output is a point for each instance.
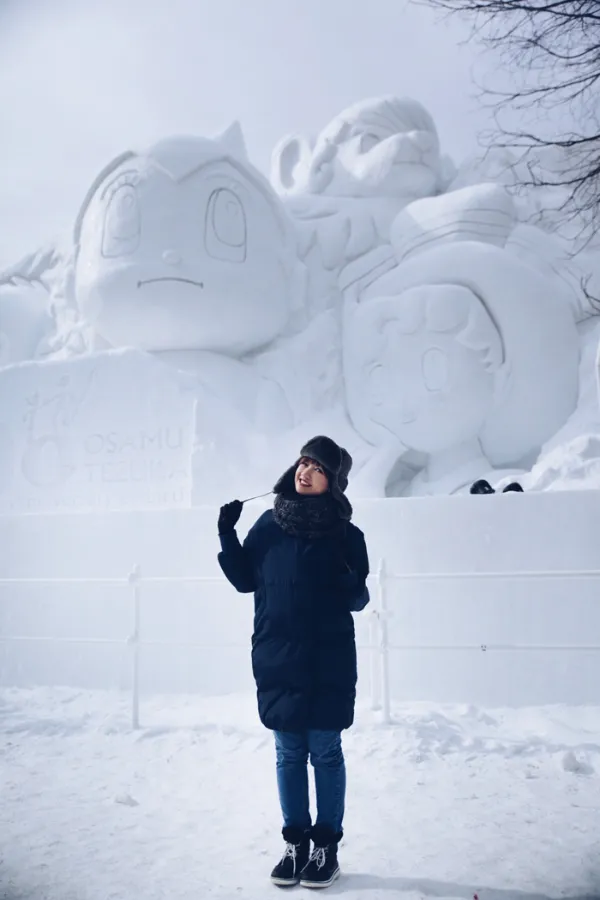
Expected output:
(308, 517)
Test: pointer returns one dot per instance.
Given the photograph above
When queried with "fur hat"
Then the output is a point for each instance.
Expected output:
(337, 463)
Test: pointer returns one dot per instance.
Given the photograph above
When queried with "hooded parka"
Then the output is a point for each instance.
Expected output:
(303, 644)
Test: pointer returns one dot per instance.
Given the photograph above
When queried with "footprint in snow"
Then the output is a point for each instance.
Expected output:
(578, 766)
(126, 800)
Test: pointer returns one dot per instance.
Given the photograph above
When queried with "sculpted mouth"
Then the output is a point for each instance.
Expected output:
(199, 284)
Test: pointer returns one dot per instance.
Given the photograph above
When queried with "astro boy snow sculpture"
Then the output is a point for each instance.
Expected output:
(184, 248)
(185, 251)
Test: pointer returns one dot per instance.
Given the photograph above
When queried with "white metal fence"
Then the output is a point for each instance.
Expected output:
(378, 612)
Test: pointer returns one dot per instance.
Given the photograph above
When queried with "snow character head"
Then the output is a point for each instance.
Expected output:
(345, 189)
(184, 247)
(381, 147)
(431, 381)
(461, 346)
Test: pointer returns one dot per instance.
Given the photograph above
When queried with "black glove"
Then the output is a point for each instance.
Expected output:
(229, 516)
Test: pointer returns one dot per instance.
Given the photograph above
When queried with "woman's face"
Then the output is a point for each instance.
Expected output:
(310, 478)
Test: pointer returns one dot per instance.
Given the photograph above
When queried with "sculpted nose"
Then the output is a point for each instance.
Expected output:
(171, 258)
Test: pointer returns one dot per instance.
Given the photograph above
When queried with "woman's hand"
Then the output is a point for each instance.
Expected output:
(229, 516)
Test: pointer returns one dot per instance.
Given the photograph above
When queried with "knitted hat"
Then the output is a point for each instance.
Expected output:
(337, 463)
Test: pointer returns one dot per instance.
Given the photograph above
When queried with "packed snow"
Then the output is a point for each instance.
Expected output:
(446, 802)
(492, 796)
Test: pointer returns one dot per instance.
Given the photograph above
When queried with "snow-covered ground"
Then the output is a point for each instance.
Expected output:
(448, 802)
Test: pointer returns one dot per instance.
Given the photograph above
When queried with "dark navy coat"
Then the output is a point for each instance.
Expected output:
(303, 645)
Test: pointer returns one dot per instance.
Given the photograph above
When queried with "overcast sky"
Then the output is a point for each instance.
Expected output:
(83, 80)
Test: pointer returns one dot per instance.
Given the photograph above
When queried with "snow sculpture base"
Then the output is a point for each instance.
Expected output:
(112, 430)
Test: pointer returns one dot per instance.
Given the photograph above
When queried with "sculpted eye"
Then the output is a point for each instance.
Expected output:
(121, 233)
(434, 366)
(225, 235)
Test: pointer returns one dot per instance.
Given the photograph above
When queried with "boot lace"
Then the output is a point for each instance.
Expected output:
(319, 856)
(291, 851)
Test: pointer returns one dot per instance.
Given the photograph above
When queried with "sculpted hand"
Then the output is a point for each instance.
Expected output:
(229, 516)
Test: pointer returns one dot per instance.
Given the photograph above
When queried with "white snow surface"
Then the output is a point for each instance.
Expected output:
(447, 802)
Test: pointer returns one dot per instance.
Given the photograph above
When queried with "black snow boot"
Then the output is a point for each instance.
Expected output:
(481, 487)
(513, 486)
(322, 869)
(295, 856)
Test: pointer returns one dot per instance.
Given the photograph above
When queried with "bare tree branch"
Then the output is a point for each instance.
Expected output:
(553, 48)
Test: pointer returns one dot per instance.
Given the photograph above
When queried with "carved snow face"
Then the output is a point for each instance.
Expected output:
(431, 383)
(369, 163)
(184, 248)
(432, 394)
(386, 147)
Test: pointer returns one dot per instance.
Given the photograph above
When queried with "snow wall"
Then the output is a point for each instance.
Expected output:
(441, 621)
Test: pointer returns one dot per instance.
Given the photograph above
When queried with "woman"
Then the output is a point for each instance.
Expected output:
(307, 566)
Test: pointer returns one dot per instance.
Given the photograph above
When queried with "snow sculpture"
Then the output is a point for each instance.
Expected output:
(186, 253)
(184, 247)
(345, 189)
(572, 465)
(108, 430)
(543, 237)
(484, 213)
(374, 291)
(382, 147)
(25, 322)
(462, 357)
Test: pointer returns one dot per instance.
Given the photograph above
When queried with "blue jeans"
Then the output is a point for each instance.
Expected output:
(327, 760)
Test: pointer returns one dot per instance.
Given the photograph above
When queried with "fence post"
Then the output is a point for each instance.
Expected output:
(134, 642)
(384, 643)
(374, 643)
